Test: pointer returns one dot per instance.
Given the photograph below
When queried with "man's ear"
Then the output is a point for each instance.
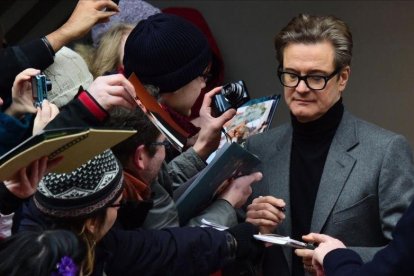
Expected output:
(140, 158)
(344, 77)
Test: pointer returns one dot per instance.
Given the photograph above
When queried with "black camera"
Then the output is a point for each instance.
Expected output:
(232, 95)
(40, 86)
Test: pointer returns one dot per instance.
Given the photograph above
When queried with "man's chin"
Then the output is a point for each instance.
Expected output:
(304, 116)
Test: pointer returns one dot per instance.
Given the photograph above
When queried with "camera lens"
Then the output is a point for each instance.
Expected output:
(233, 92)
(48, 85)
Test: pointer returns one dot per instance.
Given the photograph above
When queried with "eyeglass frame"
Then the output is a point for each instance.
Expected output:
(164, 143)
(305, 78)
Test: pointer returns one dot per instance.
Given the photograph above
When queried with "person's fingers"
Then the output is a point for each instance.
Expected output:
(112, 80)
(53, 163)
(257, 176)
(121, 92)
(226, 116)
(269, 218)
(23, 176)
(43, 166)
(266, 206)
(315, 237)
(208, 96)
(107, 6)
(261, 222)
(54, 110)
(34, 173)
(45, 110)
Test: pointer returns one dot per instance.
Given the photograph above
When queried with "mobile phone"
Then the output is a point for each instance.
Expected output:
(40, 86)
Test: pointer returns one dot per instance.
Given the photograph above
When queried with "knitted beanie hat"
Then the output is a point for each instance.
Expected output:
(67, 73)
(166, 51)
(80, 193)
(130, 12)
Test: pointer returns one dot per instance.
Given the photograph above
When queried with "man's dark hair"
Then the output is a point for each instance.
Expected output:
(122, 118)
(310, 29)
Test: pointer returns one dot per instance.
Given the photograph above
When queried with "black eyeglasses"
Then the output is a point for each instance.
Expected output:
(206, 76)
(164, 143)
(313, 81)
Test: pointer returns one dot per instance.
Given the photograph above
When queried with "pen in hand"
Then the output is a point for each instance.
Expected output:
(282, 209)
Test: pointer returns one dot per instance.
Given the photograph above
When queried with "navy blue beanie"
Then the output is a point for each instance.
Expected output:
(166, 51)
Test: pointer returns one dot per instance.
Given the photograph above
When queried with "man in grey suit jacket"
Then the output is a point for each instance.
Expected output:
(334, 173)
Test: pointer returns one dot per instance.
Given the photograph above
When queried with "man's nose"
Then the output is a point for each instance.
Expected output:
(302, 87)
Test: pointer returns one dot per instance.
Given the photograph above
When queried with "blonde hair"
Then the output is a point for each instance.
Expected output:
(107, 56)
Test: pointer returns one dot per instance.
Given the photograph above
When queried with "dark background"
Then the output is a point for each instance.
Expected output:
(381, 85)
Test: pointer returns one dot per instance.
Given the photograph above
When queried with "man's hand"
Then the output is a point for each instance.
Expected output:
(209, 136)
(266, 212)
(306, 255)
(85, 15)
(325, 245)
(113, 90)
(22, 98)
(239, 189)
(23, 183)
(44, 116)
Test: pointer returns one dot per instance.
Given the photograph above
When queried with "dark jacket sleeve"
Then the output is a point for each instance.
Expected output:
(395, 259)
(13, 131)
(82, 111)
(8, 201)
(174, 251)
(13, 60)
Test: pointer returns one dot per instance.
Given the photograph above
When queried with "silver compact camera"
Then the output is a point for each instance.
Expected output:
(40, 86)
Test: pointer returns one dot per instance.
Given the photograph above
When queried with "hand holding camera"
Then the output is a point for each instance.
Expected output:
(40, 86)
(232, 95)
(22, 99)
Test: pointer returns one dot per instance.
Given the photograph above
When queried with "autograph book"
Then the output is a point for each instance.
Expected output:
(253, 117)
(76, 145)
(231, 161)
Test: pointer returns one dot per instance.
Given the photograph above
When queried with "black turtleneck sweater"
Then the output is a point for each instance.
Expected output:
(310, 145)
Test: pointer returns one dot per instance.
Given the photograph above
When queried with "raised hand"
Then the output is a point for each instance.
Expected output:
(85, 15)
(239, 189)
(113, 90)
(208, 138)
(23, 183)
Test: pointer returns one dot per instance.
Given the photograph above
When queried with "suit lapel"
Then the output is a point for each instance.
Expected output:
(279, 175)
(278, 186)
(338, 166)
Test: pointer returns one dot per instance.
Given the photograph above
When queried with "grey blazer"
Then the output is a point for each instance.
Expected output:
(367, 183)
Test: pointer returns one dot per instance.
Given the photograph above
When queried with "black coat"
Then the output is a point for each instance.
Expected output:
(173, 251)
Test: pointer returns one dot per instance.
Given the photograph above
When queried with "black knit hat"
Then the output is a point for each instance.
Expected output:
(166, 51)
(89, 188)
